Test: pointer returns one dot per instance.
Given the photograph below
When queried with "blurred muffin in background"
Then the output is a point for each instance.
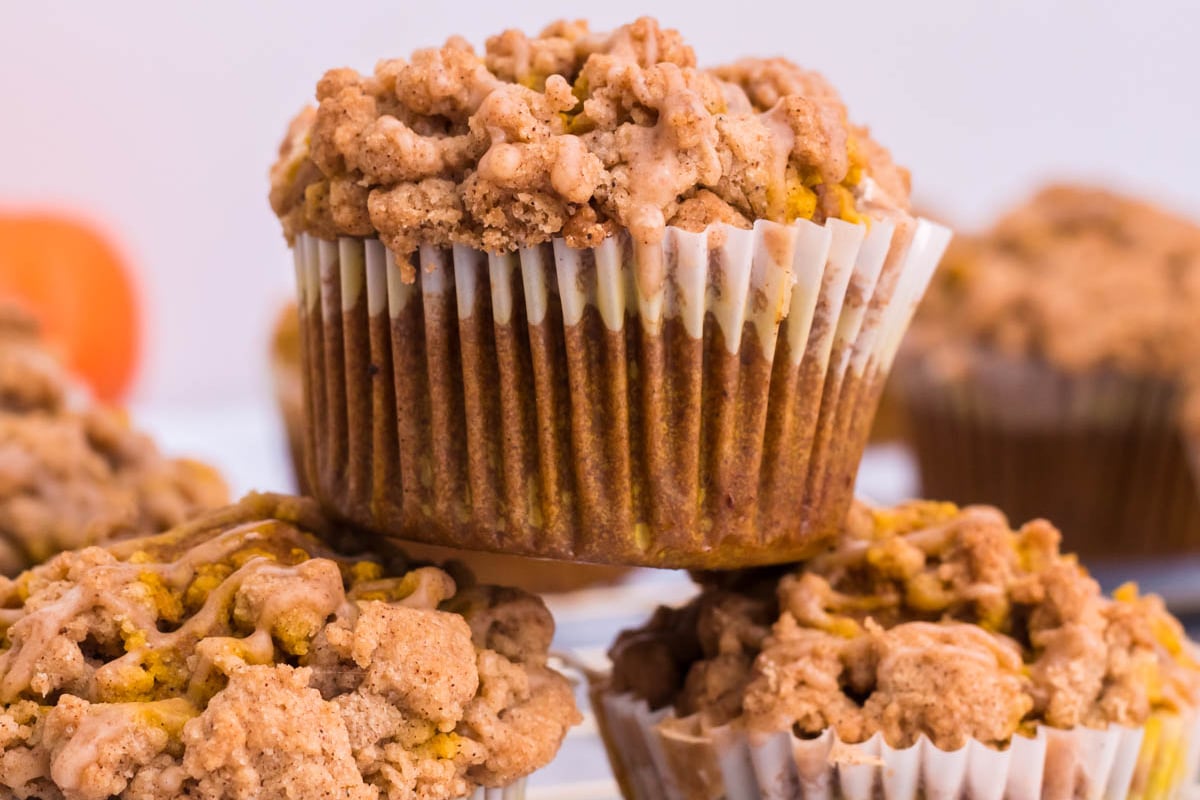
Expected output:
(532, 575)
(1053, 370)
(289, 389)
(891, 418)
(73, 473)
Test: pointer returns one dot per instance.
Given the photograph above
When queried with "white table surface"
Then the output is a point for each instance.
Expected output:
(247, 443)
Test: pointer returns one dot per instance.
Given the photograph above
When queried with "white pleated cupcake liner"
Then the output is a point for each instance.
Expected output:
(657, 762)
(514, 791)
(505, 402)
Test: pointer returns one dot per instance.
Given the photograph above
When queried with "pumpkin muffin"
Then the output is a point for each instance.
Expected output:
(1054, 370)
(239, 657)
(932, 649)
(576, 297)
(531, 574)
(73, 473)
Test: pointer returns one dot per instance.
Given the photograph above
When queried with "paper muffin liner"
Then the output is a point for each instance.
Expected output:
(702, 403)
(1101, 454)
(533, 575)
(684, 760)
(515, 791)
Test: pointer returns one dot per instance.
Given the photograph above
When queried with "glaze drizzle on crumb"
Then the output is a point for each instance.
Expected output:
(573, 134)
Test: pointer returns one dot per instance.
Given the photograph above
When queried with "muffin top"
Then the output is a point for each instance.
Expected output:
(72, 473)
(573, 134)
(1078, 277)
(923, 619)
(240, 657)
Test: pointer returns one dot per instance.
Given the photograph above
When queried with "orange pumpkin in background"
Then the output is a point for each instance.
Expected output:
(77, 285)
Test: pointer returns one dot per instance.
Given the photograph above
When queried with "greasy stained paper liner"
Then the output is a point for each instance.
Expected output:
(1155, 761)
(1101, 454)
(703, 403)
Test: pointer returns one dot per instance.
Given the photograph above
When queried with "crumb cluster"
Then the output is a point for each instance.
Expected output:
(924, 619)
(238, 657)
(575, 134)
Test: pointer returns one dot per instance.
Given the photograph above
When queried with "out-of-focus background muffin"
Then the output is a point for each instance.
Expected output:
(1051, 368)
(289, 389)
(74, 472)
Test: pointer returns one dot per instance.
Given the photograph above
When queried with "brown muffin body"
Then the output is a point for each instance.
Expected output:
(1053, 368)
(238, 656)
(75, 473)
(588, 301)
(924, 622)
(532, 575)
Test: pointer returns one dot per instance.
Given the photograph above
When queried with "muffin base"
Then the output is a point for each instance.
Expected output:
(548, 404)
(1101, 455)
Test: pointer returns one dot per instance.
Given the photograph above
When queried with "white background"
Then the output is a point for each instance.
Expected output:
(160, 120)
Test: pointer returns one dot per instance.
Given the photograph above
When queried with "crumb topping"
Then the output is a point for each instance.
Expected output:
(924, 619)
(239, 657)
(74, 474)
(1080, 277)
(575, 134)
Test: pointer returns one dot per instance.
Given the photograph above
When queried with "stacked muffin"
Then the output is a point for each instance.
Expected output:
(576, 298)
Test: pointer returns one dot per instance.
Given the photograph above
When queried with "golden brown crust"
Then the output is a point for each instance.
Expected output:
(570, 134)
(238, 656)
(74, 474)
(924, 619)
